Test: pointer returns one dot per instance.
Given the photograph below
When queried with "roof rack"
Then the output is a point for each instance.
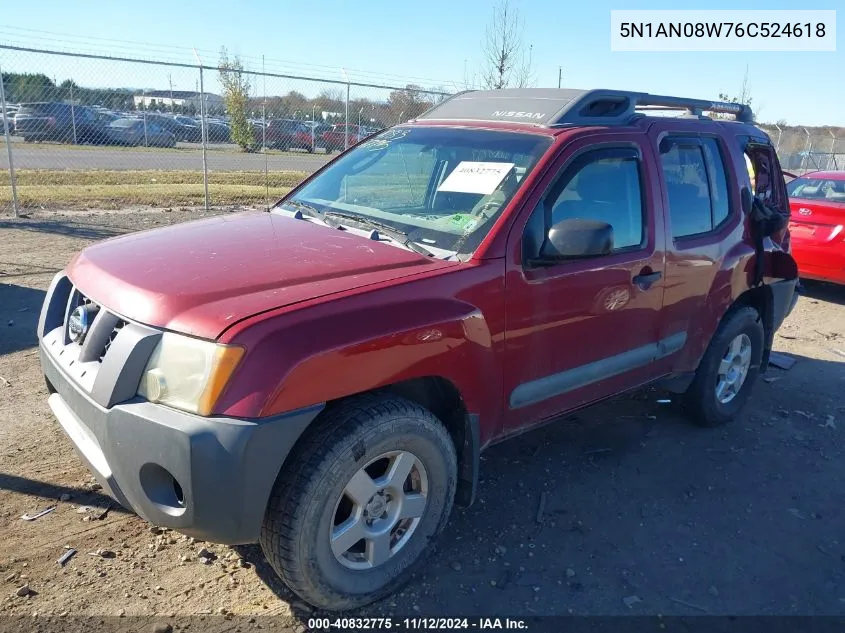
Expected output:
(551, 107)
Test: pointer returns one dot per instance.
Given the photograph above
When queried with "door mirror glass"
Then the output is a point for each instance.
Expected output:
(575, 238)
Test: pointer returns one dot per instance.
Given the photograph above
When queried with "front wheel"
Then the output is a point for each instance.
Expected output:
(728, 370)
(370, 488)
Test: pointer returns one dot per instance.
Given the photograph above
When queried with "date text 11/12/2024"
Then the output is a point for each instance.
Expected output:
(415, 624)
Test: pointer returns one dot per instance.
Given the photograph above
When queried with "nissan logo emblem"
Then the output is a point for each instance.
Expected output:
(79, 323)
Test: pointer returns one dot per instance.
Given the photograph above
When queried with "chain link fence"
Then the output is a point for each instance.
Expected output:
(95, 132)
(804, 149)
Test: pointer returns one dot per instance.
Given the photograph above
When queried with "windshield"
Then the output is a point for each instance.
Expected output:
(826, 189)
(443, 187)
(125, 123)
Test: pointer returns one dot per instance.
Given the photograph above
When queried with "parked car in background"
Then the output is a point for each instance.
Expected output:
(333, 138)
(287, 133)
(188, 132)
(104, 118)
(217, 131)
(57, 121)
(817, 225)
(11, 111)
(136, 132)
(507, 258)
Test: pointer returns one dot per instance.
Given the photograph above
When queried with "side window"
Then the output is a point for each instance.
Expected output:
(687, 187)
(605, 189)
(718, 181)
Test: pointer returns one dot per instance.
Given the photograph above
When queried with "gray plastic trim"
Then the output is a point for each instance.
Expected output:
(121, 369)
(55, 302)
(563, 382)
(98, 335)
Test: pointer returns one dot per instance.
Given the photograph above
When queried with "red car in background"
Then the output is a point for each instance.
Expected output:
(817, 225)
(286, 134)
(333, 138)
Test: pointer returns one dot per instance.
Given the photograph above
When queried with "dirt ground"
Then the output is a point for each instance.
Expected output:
(643, 512)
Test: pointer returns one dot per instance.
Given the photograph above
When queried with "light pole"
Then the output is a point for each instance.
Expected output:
(313, 128)
(559, 75)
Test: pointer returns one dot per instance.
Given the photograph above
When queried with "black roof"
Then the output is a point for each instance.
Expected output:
(552, 107)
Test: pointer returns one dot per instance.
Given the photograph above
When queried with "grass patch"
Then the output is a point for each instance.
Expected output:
(105, 189)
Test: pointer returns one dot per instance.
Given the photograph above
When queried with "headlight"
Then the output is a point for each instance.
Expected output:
(187, 373)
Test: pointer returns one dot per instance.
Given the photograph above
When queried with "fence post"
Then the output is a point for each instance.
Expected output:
(144, 114)
(346, 127)
(8, 147)
(264, 139)
(72, 114)
(832, 149)
(204, 132)
(806, 156)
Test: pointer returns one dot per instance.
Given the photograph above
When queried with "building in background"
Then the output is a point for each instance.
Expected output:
(180, 99)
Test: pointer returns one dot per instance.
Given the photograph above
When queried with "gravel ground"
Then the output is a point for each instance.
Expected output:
(642, 513)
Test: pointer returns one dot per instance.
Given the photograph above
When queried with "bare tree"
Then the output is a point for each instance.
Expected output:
(504, 61)
(744, 97)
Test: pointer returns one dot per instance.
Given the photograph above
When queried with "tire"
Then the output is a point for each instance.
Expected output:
(309, 501)
(701, 399)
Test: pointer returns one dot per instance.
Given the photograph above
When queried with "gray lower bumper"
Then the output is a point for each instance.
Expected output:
(224, 468)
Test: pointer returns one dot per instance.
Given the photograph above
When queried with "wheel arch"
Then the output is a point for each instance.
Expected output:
(443, 399)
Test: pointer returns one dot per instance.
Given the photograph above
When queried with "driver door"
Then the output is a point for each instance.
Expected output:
(583, 329)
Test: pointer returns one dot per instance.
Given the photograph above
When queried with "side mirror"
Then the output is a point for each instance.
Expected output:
(746, 199)
(574, 238)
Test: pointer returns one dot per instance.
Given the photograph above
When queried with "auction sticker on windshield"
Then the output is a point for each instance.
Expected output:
(475, 177)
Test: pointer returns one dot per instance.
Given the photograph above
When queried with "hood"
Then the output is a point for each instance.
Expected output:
(201, 277)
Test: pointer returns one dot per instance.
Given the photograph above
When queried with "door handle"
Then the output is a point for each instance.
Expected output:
(644, 280)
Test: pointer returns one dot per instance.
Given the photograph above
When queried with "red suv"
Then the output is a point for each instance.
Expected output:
(334, 141)
(286, 134)
(322, 378)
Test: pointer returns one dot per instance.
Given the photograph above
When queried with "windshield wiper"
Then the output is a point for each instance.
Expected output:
(384, 229)
(314, 212)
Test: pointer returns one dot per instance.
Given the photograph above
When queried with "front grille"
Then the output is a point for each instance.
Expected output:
(112, 335)
(103, 327)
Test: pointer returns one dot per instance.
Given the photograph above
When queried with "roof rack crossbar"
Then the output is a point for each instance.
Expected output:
(597, 105)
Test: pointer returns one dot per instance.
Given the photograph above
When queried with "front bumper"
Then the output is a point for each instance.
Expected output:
(208, 477)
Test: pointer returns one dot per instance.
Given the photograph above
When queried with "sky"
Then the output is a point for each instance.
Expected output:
(435, 43)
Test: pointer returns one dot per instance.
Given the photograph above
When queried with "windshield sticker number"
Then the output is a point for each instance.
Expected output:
(476, 177)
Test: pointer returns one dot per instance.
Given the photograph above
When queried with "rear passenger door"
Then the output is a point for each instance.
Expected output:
(703, 221)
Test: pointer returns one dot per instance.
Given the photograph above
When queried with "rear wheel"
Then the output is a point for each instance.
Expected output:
(360, 504)
(728, 370)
